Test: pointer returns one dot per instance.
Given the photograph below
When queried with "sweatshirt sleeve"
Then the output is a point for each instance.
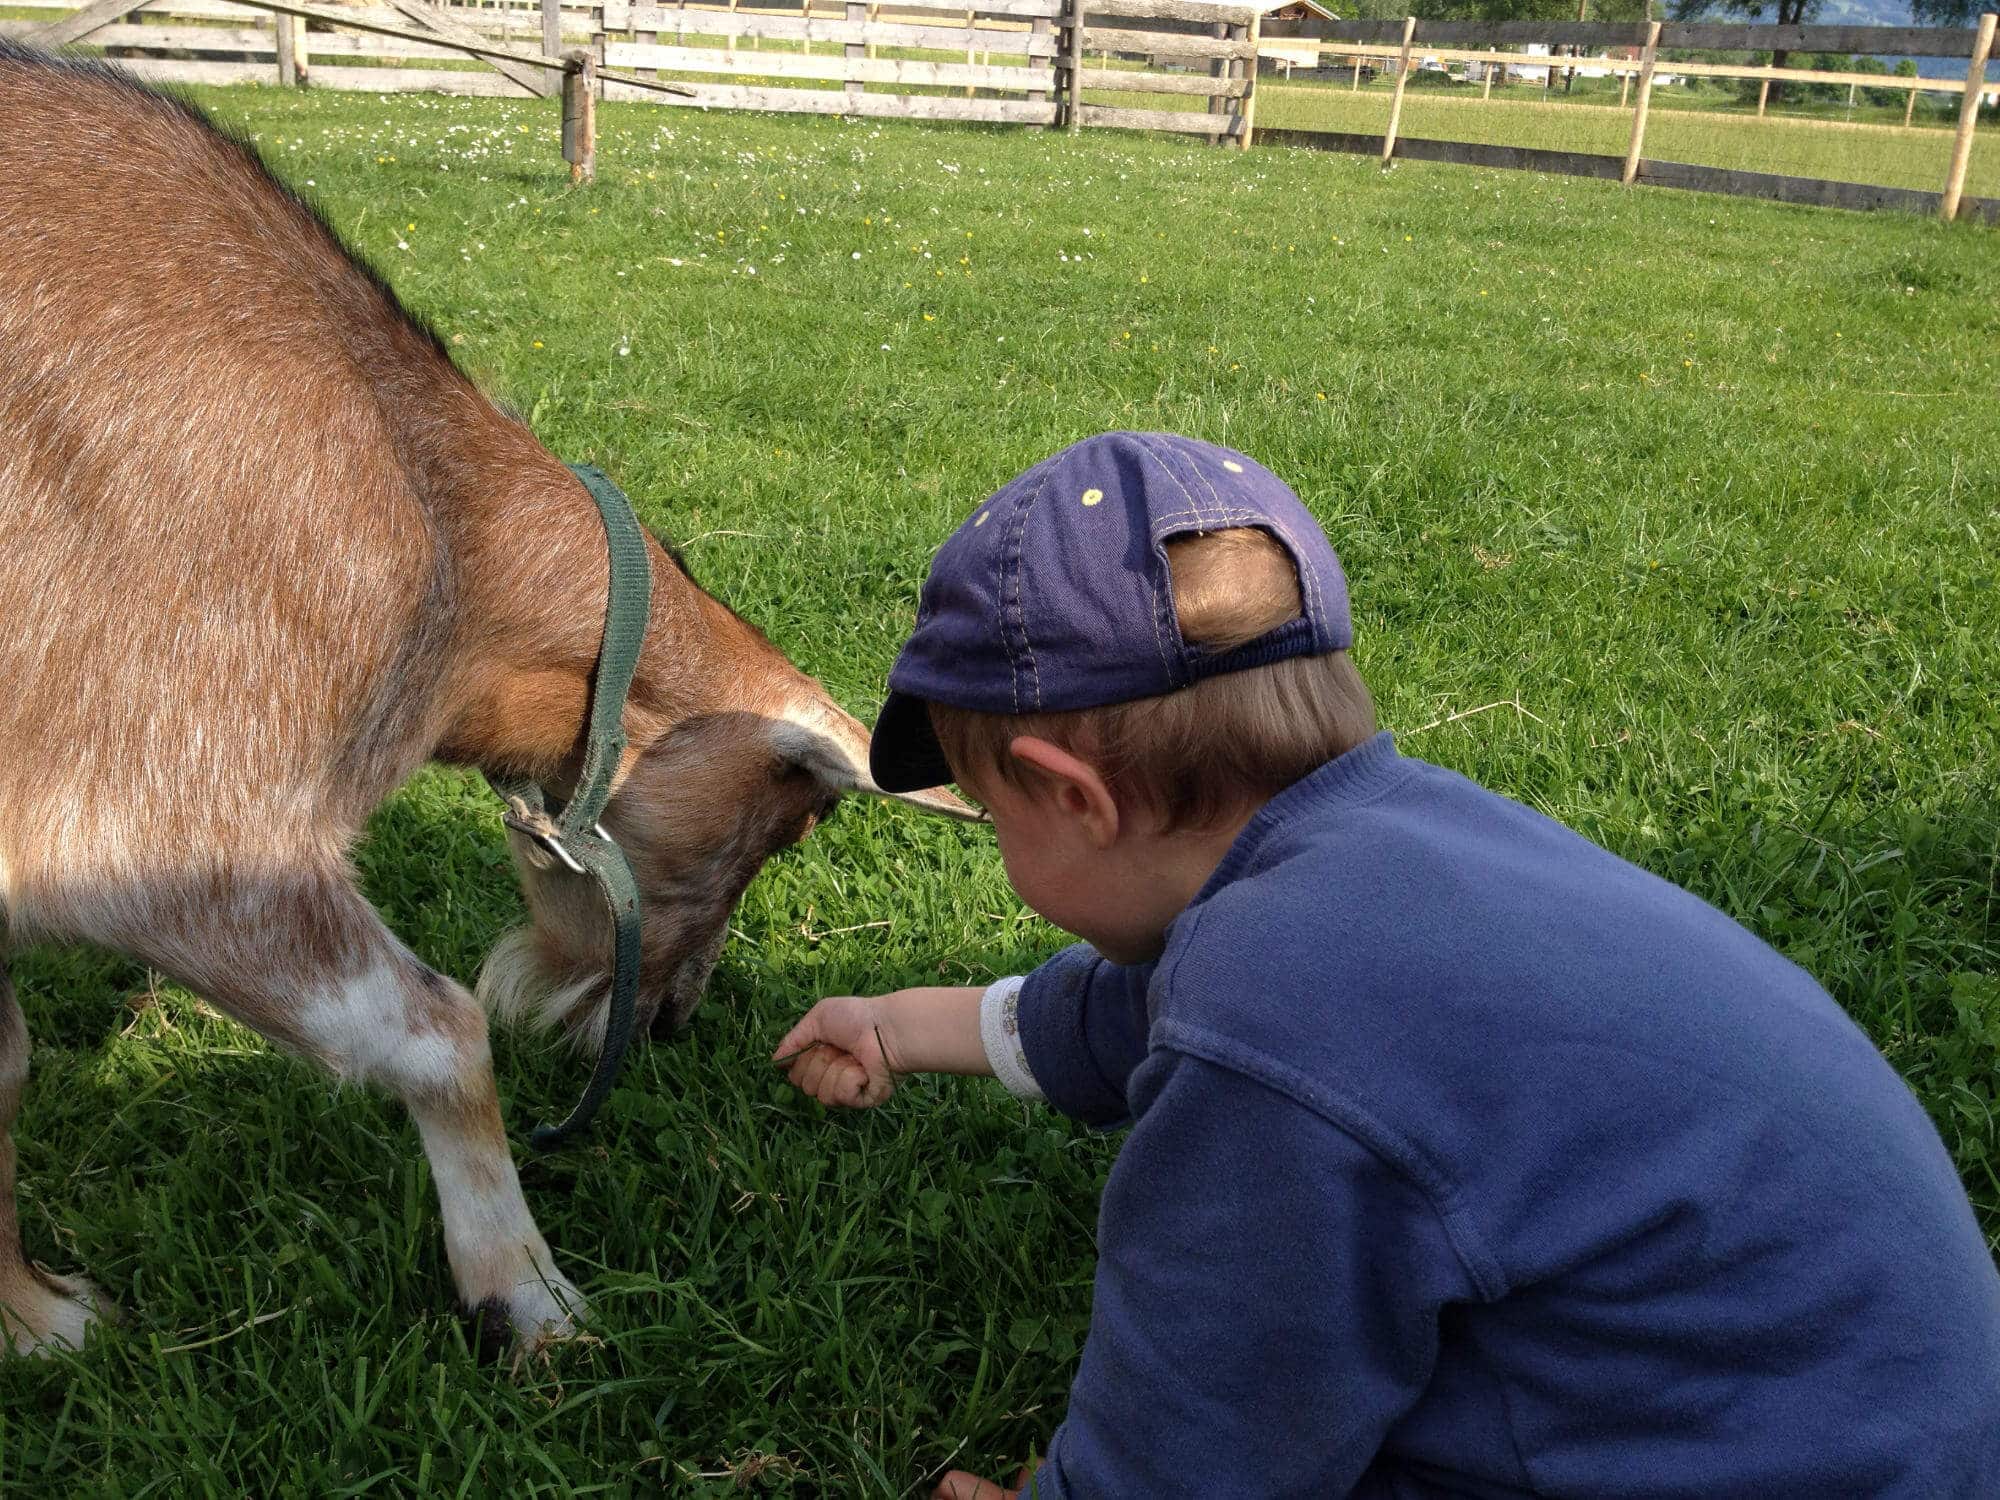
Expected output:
(1266, 1307)
(1082, 1028)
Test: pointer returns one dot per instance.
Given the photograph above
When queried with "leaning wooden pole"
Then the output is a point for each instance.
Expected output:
(1639, 105)
(1247, 105)
(1968, 116)
(579, 117)
(1402, 77)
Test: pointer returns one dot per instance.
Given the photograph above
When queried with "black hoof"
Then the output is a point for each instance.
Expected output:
(490, 1332)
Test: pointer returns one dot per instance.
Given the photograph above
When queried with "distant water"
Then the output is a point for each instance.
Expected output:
(1945, 67)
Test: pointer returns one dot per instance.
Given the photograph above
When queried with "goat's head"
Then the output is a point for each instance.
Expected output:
(697, 814)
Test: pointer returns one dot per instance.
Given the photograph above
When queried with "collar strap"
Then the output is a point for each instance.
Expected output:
(569, 831)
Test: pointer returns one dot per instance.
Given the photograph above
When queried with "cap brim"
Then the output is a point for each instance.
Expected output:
(903, 752)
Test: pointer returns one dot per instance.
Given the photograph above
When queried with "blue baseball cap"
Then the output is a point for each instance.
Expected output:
(1055, 593)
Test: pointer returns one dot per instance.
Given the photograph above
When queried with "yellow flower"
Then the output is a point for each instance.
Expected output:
(930, 317)
(1482, 291)
(1319, 395)
(1212, 349)
(413, 223)
(1144, 278)
(538, 343)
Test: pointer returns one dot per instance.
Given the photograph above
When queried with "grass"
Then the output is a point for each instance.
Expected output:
(1700, 490)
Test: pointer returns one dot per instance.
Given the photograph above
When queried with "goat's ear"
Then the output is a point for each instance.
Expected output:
(833, 745)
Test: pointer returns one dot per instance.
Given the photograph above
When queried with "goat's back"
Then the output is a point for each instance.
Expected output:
(224, 589)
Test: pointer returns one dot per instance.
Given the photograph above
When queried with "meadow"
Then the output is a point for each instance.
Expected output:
(1672, 516)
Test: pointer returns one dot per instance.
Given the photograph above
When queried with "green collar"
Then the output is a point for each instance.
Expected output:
(570, 832)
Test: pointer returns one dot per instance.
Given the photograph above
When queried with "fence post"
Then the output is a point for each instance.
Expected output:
(1639, 106)
(857, 10)
(288, 60)
(1909, 106)
(1074, 118)
(1246, 107)
(1486, 77)
(579, 116)
(1396, 103)
(1039, 27)
(597, 41)
(1763, 95)
(552, 44)
(971, 44)
(1357, 75)
(1968, 116)
(1218, 70)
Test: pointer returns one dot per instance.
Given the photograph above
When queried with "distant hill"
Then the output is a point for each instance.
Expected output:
(1864, 13)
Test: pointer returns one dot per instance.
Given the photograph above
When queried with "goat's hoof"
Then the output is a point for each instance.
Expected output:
(40, 1313)
(527, 1321)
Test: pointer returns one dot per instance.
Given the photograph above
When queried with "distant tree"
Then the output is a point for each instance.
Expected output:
(1787, 13)
(1946, 12)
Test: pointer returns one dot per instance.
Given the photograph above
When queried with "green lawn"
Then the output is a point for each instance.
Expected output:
(1701, 491)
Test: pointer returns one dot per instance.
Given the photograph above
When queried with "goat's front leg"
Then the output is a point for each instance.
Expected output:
(38, 1312)
(342, 989)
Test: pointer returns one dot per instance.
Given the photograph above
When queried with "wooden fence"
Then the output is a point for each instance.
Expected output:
(1396, 43)
(1006, 61)
(1026, 62)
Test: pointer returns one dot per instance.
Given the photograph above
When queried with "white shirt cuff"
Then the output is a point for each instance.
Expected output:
(1000, 1034)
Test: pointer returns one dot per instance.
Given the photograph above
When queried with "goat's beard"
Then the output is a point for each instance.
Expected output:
(520, 984)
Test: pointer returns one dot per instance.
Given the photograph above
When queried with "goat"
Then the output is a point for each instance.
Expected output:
(264, 551)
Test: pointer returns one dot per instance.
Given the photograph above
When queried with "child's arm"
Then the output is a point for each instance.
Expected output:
(849, 1050)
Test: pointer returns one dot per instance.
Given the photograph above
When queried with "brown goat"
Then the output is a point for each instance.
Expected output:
(263, 552)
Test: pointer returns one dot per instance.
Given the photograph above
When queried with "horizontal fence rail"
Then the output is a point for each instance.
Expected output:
(1693, 36)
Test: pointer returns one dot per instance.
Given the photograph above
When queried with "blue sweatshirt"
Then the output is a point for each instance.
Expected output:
(1466, 1158)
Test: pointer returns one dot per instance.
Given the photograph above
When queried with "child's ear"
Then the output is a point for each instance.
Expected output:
(1073, 786)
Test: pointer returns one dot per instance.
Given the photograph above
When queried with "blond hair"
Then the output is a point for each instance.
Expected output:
(1197, 756)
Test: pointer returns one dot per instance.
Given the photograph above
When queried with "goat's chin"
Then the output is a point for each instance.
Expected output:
(518, 988)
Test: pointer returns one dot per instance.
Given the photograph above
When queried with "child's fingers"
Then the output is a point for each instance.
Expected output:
(959, 1485)
(874, 1088)
(845, 1085)
(809, 1070)
(803, 1035)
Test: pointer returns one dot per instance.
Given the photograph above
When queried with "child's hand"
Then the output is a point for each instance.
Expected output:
(959, 1485)
(837, 1053)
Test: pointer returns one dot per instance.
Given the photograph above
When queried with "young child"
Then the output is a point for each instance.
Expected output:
(1463, 1157)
